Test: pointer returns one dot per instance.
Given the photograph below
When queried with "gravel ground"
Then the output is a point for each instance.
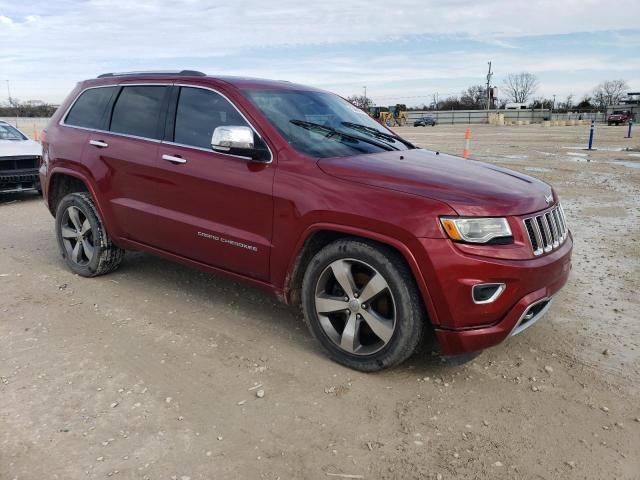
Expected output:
(153, 372)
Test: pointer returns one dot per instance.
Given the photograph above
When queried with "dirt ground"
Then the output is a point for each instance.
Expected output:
(151, 372)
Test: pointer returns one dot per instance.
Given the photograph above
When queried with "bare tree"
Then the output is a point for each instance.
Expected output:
(520, 86)
(361, 101)
(609, 92)
(474, 97)
(568, 103)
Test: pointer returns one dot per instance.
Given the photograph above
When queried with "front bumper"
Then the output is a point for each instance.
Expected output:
(463, 326)
(19, 181)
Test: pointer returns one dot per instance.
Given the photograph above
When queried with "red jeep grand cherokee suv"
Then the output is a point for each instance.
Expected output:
(295, 190)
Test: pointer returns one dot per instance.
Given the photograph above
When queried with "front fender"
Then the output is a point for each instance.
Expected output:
(395, 243)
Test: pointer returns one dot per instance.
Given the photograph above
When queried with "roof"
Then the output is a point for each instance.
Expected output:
(196, 76)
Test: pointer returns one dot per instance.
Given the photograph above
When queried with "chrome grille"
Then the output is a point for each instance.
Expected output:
(547, 230)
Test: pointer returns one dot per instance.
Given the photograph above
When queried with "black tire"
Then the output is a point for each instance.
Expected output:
(105, 256)
(410, 321)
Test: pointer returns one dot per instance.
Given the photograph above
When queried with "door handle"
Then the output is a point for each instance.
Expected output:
(98, 143)
(173, 159)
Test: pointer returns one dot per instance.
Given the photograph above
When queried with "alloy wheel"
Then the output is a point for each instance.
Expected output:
(355, 306)
(77, 236)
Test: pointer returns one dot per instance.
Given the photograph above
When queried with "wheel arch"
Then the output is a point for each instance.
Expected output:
(63, 181)
(318, 236)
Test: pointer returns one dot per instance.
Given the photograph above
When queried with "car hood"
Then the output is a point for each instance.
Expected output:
(468, 186)
(13, 148)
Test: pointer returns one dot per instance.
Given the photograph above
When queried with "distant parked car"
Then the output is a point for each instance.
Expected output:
(619, 117)
(19, 160)
(424, 121)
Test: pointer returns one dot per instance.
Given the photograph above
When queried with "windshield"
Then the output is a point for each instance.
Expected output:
(7, 132)
(322, 125)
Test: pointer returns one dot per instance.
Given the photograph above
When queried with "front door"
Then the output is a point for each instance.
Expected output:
(215, 208)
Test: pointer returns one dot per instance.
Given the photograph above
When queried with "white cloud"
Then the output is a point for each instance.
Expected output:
(46, 46)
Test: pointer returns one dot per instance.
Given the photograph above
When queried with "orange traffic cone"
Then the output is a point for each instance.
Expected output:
(467, 141)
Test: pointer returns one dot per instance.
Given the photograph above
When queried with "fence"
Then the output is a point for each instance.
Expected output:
(28, 125)
(482, 116)
(597, 116)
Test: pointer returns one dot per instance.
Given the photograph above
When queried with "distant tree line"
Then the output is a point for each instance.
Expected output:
(16, 108)
(520, 88)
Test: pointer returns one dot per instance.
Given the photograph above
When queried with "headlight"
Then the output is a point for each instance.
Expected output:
(476, 230)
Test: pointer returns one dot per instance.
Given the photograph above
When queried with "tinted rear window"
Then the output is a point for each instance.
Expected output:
(88, 110)
(137, 111)
(199, 113)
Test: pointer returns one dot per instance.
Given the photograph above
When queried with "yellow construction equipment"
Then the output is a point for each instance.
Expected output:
(398, 115)
(392, 116)
(377, 112)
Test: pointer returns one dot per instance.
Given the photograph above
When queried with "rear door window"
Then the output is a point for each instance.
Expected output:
(88, 111)
(199, 112)
(138, 111)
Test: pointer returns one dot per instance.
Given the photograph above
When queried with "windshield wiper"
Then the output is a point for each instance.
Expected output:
(331, 132)
(377, 133)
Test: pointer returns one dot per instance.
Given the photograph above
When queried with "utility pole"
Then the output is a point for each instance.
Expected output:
(553, 105)
(8, 92)
(366, 104)
(489, 75)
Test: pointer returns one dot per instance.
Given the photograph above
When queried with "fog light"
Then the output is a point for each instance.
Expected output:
(486, 292)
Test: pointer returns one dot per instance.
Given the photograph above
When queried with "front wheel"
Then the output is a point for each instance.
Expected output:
(361, 303)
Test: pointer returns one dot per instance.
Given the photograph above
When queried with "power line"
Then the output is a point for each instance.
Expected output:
(413, 96)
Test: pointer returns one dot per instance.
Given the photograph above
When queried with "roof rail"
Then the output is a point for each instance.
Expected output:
(193, 73)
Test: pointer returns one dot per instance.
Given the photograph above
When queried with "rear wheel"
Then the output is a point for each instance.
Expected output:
(361, 302)
(83, 239)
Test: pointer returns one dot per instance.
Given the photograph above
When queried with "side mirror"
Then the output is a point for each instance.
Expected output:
(233, 139)
(239, 140)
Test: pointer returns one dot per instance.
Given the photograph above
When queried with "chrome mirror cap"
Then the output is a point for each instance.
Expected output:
(232, 137)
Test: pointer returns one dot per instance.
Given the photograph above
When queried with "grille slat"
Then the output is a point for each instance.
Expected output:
(554, 229)
(564, 220)
(561, 230)
(532, 235)
(548, 246)
(547, 230)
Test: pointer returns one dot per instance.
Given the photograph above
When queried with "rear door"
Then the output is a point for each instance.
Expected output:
(67, 142)
(124, 156)
(214, 208)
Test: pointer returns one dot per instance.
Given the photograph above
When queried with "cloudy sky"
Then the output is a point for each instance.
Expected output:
(402, 50)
